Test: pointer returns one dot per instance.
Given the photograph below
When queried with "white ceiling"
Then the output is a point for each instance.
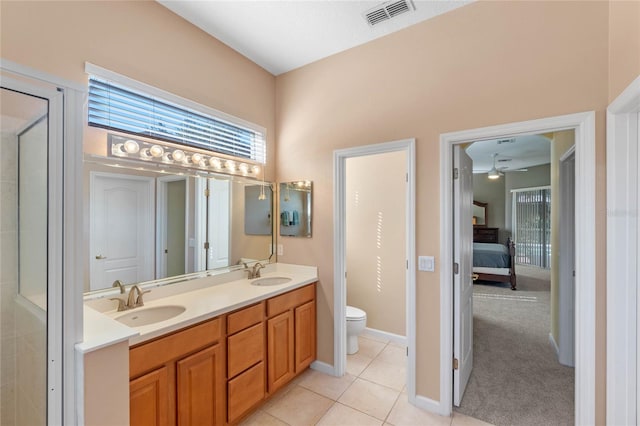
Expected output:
(516, 153)
(286, 34)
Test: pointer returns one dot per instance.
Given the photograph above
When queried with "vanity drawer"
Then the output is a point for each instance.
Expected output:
(290, 300)
(245, 349)
(149, 355)
(244, 392)
(244, 318)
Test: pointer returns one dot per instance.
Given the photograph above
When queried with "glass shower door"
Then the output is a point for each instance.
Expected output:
(24, 265)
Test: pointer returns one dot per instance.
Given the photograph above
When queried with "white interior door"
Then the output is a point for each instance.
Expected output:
(122, 229)
(462, 280)
(218, 223)
(567, 274)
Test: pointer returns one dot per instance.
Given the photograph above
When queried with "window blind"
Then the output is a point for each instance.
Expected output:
(533, 227)
(115, 107)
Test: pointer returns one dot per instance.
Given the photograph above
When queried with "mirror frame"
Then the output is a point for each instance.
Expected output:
(282, 186)
(486, 217)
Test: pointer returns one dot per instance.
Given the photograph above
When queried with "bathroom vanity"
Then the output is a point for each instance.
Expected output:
(235, 343)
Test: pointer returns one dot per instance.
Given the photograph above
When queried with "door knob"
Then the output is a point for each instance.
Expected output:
(100, 257)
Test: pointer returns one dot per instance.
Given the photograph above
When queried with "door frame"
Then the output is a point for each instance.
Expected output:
(623, 186)
(339, 261)
(566, 291)
(584, 127)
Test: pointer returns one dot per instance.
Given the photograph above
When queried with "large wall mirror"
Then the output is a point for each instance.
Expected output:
(149, 224)
(480, 213)
(295, 208)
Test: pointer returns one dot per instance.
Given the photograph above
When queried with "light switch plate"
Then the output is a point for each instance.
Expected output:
(426, 263)
(280, 250)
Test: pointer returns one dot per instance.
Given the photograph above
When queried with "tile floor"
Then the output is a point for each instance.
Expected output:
(371, 393)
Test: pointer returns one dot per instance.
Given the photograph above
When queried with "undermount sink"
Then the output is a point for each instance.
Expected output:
(271, 281)
(140, 317)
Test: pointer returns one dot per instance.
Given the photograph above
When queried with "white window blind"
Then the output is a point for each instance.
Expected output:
(532, 217)
(116, 107)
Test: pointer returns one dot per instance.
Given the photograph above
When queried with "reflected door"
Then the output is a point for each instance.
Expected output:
(122, 221)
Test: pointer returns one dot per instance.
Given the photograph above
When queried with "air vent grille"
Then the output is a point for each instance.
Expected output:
(387, 10)
(510, 140)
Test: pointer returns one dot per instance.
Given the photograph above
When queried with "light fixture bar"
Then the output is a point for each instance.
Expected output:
(162, 153)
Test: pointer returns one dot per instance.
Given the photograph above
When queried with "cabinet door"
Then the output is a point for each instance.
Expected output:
(201, 387)
(149, 399)
(280, 350)
(305, 325)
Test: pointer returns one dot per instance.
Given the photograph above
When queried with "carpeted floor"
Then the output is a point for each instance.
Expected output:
(516, 378)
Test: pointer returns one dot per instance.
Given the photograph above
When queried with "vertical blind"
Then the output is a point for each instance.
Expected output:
(532, 212)
(115, 107)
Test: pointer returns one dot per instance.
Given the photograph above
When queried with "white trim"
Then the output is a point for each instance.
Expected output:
(584, 125)
(533, 188)
(339, 287)
(622, 256)
(323, 368)
(33, 73)
(429, 404)
(554, 345)
(98, 71)
(385, 335)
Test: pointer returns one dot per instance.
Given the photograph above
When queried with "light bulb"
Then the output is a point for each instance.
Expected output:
(178, 155)
(243, 168)
(231, 166)
(196, 158)
(156, 151)
(202, 163)
(131, 146)
(256, 169)
(215, 162)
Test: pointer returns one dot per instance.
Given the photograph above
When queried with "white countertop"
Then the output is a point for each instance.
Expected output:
(203, 298)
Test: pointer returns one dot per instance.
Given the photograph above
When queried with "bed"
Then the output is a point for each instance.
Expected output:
(494, 262)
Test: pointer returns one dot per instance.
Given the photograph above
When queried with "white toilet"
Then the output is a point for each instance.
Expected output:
(356, 323)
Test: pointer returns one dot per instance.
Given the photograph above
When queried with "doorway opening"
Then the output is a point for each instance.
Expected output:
(583, 126)
(341, 158)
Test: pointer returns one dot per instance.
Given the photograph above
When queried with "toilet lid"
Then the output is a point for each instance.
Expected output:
(355, 313)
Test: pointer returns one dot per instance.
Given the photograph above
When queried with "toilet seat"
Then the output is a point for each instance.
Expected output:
(355, 314)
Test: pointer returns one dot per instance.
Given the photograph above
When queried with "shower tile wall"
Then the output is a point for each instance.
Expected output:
(8, 276)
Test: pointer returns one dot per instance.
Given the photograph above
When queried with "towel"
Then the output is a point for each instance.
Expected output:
(295, 218)
(284, 218)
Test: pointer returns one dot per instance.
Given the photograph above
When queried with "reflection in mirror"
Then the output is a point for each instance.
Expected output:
(295, 208)
(479, 213)
(149, 224)
(257, 212)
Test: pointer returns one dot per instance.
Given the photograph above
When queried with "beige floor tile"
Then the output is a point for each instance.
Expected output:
(384, 373)
(340, 415)
(299, 406)
(398, 345)
(260, 418)
(370, 398)
(393, 355)
(330, 386)
(405, 414)
(460, 419)
(369, 348)
(356, 364)
(375, 338)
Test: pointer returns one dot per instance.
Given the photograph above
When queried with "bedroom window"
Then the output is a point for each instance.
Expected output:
(532, 226)
(125, 105)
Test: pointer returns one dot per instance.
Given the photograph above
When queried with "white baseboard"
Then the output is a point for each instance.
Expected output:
(323, 367)
(395, 338)
(431, 406)
(554, 344)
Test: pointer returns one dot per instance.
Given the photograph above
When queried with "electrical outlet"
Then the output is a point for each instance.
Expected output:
(426, 263)
(280, 250)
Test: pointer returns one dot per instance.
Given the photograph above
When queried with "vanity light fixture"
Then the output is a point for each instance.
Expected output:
(158, 152)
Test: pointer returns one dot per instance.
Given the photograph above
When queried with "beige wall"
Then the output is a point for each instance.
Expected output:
(144, 41)
(562, 142)
(376, 239)
(483, 64)
(624, 45)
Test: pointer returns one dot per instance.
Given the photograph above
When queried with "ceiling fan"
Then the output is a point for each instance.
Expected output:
(495, 173)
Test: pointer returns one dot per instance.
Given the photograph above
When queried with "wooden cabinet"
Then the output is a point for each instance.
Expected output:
(483, 234)
(291, 335)
(216, 372)
(179, 379)
(245, 360)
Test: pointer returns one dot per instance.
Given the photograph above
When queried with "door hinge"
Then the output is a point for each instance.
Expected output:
(407, 263)
(455, 363)
(406, 177)
(456, 268)
(206, 192)
(455, 173)
(206, 245)
(407, 350)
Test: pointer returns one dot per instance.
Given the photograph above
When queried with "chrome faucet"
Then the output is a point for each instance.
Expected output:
(253, 272)
(118, 283)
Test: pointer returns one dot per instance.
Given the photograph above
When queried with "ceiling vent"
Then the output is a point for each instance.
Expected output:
(510, 140)
(387, 10)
